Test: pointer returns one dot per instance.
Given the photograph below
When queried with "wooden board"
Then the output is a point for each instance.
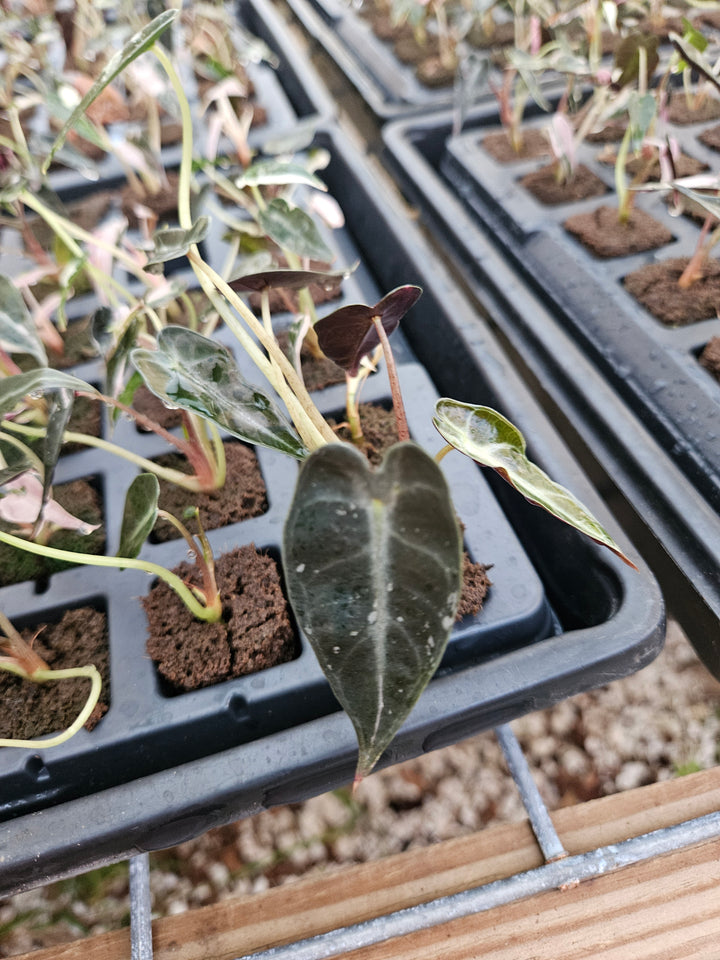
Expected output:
(665, 909)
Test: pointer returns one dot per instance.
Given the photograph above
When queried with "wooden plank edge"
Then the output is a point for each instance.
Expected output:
(234, 927)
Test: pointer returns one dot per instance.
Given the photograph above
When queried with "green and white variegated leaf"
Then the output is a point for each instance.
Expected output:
(373, 564)
(139, 43)
(292, 229)
(490, 439)
(175, 242)
(18, 333)
(139, 515)
(37, 382)
(59, 406)
(196, 374)
(268, 173)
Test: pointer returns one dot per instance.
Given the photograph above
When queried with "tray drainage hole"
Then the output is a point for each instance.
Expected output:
(36, 769)
(239, 708)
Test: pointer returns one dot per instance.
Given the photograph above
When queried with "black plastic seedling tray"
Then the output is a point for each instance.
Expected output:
(628, 389)
(575, 618)
(389, 87)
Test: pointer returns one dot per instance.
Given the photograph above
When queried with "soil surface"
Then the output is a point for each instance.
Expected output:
(500, 147)
(317, 372)
(604, 235)
(163, 203)
(655, 286)
(546, 188)
(243, 495)
(254, 634)
(710, 357)
(32, 710)
(81, 499)
(683, 111)
(711, 137)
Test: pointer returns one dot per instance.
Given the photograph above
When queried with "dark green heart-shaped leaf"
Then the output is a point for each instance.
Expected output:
(292, 229)
(278, 173)
(139, 515)
(194, 373)
(348, 334)
(175, 242)
(289, 279)
(487, 437)
(373, 566)
(37, 382)
(18, 333)
(137, 44)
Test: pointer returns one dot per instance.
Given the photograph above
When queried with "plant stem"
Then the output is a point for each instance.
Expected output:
(154, 569)
(46, 676)
(441, 454)
(311, 426)
(398, 406)
(184, 480)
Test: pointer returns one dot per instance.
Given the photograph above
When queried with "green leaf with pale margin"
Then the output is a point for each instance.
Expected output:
(292, 229)
(59, 407)
(37, 382)
(490, 439)
(136, 45)
(271, 173)
(348, 334)
(373, 563)
(18, 333)
(194, 373)
(706, 200)
(175, 242)
(139, 515)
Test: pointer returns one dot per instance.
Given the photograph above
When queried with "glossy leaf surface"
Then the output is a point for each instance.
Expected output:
(278, 173)
(487, 437)
(289, 279)
(59, 407)
(175, 242)
(17, 330)
(373, 566)
(36, 382)
(194, 373)
(139, 515)
(348, 334)
(292, 229)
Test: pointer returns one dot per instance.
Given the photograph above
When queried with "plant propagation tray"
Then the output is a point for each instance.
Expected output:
(581, 618)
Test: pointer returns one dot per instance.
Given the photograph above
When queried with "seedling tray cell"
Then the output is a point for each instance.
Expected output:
(631, 388)
(562, 616)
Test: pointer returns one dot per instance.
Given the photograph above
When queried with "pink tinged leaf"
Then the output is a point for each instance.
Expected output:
(535, 34)
(24, 499)
(48, 332)
(562, 139)
(348, 334)
(328, 209)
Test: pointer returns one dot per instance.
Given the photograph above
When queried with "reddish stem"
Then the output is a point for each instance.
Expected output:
(398, 406)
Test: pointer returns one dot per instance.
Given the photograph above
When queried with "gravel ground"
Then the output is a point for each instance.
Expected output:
(655, 725)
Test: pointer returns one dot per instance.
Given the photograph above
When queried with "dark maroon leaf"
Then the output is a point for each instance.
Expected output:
(289, 280)
(348, 334)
